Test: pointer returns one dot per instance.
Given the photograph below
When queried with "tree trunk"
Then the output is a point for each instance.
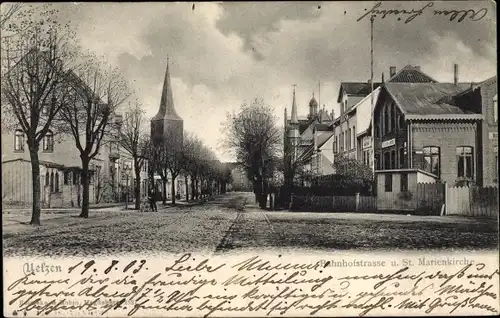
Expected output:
(192, 188)
(137, 189)
(164, 194)
(86, 187)
(187, 187)
(35, 176)
(197, 188)
(173, 190)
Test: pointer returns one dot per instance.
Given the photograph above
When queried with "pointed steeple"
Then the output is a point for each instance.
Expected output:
(294, 119)
(167, 110)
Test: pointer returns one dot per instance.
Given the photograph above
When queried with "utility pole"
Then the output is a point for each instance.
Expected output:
(371, 82)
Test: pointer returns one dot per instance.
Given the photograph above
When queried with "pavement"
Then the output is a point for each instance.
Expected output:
(233, 222)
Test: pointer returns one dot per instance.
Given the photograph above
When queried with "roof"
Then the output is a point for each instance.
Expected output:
(411, 74)
(323, 138)
(313, 102)
(427, 99)
(323, 116)
(321, 127)
(356, 88)
(48, 164)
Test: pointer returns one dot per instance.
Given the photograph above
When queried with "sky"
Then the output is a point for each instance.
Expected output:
(224, 54)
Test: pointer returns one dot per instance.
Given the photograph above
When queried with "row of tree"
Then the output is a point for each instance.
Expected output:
(172, 157)
(49, 84)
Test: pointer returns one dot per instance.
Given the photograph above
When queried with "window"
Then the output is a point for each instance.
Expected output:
(404, 182)
(393, 159)
(19, 140)
(66, 177)
(465, 162)
(353, 137)
(75, 177)
(431, 158)
(388, 182)
(56, 187)
(377, 129)
(401, 121)
(495, 108)
(387, 160)
(387, 119)
(52, 182)
(47, 179)
(393, 116)
(48, 142)
(348, 141)
(377, 161)
(495, 180)
(402, 157)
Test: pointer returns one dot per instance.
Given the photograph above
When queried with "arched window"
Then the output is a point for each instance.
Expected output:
(52, 182)
(387, 123)
(48, 142)
(57, 182)
(19, 140)
(47, 179)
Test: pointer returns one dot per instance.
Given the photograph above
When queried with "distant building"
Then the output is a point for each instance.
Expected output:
(60, 169)
(307, 138)
(240, 181)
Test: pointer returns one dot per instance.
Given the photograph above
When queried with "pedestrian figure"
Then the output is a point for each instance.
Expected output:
(152, 201)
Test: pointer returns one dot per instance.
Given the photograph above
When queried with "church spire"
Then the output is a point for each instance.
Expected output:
(167, 110)
(294, 119)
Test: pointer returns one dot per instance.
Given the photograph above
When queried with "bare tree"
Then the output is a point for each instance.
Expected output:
(158, 164)
(135, 141)
(8, 13)
(35, 64)
(174, 157)
(97, 92)
(253, 137)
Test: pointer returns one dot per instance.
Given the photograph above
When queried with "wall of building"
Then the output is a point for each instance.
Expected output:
(489, 133)
(446, 135)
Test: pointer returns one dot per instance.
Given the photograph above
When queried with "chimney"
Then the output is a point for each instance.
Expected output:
(369, 81)
(383, 78)
(417, 67)
(455, 74)
(392, 71)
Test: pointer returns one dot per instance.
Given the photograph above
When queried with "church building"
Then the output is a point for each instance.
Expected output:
(167, 125)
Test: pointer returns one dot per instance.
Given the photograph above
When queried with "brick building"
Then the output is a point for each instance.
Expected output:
(439, 129)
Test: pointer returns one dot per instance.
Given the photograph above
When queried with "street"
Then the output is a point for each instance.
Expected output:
(221, 226)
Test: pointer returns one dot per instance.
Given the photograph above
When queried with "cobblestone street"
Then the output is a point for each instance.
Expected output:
(221, 226)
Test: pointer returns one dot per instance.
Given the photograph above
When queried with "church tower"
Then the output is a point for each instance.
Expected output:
(313, 108)
(166, 124)
(293, 133)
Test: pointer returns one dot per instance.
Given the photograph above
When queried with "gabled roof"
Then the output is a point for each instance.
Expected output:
(356, 88)
(323, 138)
(427, 99)
(411, 74)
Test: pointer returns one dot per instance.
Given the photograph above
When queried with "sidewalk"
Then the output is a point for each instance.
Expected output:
(103, 207)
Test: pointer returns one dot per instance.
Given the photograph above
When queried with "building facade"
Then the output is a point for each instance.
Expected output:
(306, 140)
(437, 128)
(352, 129)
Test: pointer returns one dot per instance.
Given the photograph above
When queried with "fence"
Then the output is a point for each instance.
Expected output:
(333, 203)
(428, 199)
(472, 201)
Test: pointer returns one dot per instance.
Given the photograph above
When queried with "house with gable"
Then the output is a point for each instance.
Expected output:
(434, 133)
